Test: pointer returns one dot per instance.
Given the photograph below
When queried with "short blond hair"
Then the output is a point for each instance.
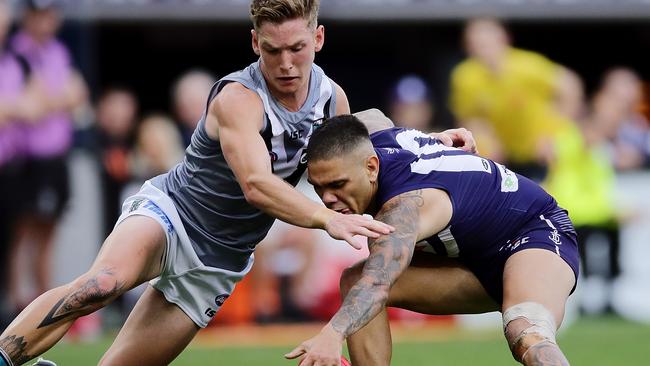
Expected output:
(278, 11)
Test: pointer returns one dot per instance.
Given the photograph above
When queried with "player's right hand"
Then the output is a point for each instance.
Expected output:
(346, 227)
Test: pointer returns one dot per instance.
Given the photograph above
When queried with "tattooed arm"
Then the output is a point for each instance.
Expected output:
(389, 256)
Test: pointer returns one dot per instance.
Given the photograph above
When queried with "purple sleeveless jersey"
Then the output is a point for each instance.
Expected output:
(50, 63)
(496, 212)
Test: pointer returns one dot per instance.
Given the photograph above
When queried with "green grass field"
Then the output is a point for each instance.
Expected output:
(593, 342)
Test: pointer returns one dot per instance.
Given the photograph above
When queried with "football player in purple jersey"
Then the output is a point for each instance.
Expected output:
(471, 236)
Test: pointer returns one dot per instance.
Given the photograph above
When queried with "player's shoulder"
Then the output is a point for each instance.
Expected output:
(467, 71)
(527, 57)
(236, 95)
(235, 100)
(385, 137)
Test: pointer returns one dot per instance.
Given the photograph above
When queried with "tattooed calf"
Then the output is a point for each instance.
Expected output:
(91, 293)
(14, 347)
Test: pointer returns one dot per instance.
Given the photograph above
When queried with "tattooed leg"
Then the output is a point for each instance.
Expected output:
(91, 296)
(532, 348)
(31, 333)
(14, 347)
(131, 255)
(536, 285)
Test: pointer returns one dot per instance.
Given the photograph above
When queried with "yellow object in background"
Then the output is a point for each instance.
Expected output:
(517, 101)
(581, 179)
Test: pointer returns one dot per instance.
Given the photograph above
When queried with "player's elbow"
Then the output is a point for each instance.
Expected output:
(253, 188)
(381, 292)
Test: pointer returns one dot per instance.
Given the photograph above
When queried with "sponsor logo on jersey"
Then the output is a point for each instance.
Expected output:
(297, 134)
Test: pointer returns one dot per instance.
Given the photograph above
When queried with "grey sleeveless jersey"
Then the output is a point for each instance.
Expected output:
(223, 228)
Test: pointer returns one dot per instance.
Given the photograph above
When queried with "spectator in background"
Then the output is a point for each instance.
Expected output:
(283, 274)
(116, 117)
(518, 98)
(46, 140)
(612, 136)
(616, 113)
(189, 94)
(410, 103)
(12, 82)
(158, 147)
(581, 177)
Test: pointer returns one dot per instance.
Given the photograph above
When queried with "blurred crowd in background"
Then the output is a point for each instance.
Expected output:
(525, 110)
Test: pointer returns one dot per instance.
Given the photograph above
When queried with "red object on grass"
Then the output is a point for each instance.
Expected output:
(345, 362)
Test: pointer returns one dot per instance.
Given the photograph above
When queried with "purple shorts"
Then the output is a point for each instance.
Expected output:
(552, 231)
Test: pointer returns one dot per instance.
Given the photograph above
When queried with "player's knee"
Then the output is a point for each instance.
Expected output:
(527, 325)
(349, 277)
(94, 290)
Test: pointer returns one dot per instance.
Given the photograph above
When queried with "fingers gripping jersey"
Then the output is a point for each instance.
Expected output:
(490, 203)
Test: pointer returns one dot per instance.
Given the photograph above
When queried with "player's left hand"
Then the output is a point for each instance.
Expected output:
(457, 137)
(322, 350)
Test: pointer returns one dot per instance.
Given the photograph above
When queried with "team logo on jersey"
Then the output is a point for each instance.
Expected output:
(485, 164)
(390, 150)
(273, 156)
(318, 123)
(219, 300)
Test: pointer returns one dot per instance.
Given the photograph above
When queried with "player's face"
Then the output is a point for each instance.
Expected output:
(345, 185)
(287, 52)
(486, 40)
(43, 24)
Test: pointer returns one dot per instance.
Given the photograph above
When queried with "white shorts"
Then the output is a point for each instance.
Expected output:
(197, 289)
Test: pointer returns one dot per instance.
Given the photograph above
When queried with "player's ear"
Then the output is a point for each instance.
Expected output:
(255, 43)
(372, 168)
(320, 38)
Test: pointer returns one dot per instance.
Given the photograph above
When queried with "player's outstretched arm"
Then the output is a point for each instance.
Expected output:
(375, 121)
(389, 256)
(235, 118)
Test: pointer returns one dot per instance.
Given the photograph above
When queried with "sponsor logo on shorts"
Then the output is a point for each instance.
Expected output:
(219, 300)
(136, 204)
(155, 209)
(210, 312)
(512, 246)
